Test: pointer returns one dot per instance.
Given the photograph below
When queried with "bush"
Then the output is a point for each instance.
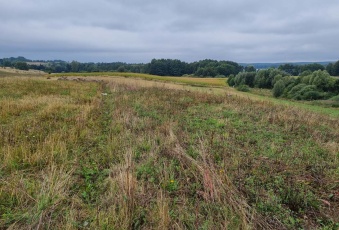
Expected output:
(278, 88)
(230, 80)
(334, 101)
(266, 78)
(21, 66)
(304, 92)
(321, 79)
(305, 73)
(245, 78)
(243, 88)
(311, 95)
(121, 69)
(294, 91)
(335, 98)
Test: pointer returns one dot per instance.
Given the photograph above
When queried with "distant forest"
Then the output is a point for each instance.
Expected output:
(167, 67)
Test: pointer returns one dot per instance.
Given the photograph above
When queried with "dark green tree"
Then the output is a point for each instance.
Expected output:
(75, 66)
(278, 88)
(121, 69)
(293, 70)
(21, 65)
(312, 67)
(245, 78)
(329, 68)
(230, 80)
(321, 79)
(335, 69)
(250, 68)
(7, 63)
(226, 69)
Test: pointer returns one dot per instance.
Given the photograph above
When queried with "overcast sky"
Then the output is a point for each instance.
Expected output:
(136, 31)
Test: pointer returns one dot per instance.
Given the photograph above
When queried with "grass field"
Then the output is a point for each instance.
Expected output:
(206, 85)
(6, 72)
(135, 154)
(182, 80)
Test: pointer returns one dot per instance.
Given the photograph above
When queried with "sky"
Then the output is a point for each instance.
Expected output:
(136, 31)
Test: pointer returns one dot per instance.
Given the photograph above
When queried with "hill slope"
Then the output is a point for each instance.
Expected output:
(114, 154)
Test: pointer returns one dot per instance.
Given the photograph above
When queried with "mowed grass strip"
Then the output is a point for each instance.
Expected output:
(120, 156)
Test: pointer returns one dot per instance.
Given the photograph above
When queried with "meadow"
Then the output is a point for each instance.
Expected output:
(183, 80)
(126, 153)
(207, 85)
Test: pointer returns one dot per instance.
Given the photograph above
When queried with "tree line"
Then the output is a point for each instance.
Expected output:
(163, 67)
(296, 70)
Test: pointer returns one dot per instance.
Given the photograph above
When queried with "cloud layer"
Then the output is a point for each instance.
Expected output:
(137, 31)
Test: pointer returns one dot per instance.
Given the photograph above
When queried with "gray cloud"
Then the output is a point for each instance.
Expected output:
(137, 31)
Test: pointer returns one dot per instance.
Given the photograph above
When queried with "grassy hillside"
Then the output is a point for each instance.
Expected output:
(122, 155)
(15, 72)
(206, 85)
(183, 80)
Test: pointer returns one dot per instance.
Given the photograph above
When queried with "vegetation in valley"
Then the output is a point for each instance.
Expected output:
(169, 67)
(114, 155)
(317, 85)
(160, 67)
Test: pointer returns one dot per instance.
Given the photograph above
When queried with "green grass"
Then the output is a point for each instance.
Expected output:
(117, 156)
(334, 112)
(314, 106)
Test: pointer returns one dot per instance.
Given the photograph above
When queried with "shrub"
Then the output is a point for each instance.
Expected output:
(311, 95)
(243, 88)
(230, 80)
(267, 78)
(335, 98)
(305, 73)
(245, 78)
(278, 88)
(321, 79)
(262, 79)
(294, 91)
(21, 66)
(334, 101)
(304, 92)
(277, 78)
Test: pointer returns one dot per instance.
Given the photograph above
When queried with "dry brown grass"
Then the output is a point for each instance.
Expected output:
(18, 72)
